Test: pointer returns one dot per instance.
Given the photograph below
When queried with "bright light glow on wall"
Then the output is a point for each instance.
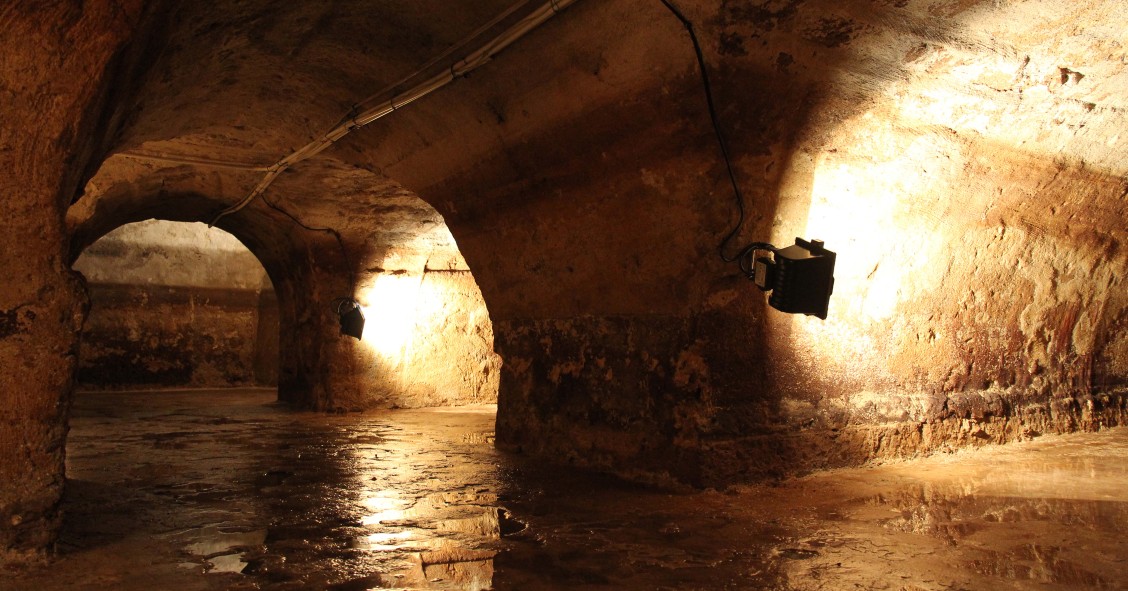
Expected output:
(390, 308)
(877, 206)
(1040, 96)
(427, 339)
(889, 190)
(870, 212)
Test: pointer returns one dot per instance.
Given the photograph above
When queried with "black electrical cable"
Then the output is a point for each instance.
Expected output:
(747, 257)
(338, 303)
(334, 232)
(747, 251)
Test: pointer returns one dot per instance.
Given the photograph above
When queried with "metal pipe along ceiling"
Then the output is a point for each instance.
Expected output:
(472, 61)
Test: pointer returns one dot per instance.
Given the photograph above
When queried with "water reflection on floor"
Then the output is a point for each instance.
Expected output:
(226, 490)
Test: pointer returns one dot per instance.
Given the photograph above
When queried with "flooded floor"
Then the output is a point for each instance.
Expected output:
(228, 490)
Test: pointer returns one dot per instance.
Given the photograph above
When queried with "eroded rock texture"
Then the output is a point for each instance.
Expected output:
(176, 305)
(53, 109)
(428, 339)
(963, 158)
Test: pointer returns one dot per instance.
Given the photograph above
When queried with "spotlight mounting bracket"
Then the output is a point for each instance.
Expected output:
(350, 317)
(800, 277)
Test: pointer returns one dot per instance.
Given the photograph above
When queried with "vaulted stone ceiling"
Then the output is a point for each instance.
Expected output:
(240, 85)
(940, 145)
(963, 157)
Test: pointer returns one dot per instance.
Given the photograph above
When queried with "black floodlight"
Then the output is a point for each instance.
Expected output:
(351, 317)
(800, 277)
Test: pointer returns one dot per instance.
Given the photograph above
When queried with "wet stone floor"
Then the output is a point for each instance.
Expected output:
(228, 490)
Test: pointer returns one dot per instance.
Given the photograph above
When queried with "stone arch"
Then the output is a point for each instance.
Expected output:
(429, 337)
(176, 305)
(87, 227)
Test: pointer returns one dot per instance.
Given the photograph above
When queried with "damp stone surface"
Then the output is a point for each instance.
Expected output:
(230, 490)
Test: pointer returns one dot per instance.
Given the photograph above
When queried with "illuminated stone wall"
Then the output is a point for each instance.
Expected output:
(962, 158)
(183, 305)
(428, 341)
(977, 197)
(176, 305)
(428, 336)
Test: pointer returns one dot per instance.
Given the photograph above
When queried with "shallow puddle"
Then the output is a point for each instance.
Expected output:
(228, 490)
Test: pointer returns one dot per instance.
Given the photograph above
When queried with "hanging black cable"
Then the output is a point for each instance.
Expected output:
(347, 308)
(721, 141)
(800, 277)
(334, 232)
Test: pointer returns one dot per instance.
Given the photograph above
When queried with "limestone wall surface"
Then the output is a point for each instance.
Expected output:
(175, 305)
(960, 157)
(55, 115)
(964, 158)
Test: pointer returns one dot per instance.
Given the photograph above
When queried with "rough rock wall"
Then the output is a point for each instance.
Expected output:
(978, 188)
(169, 337)
(427, 342)
(52, 112)
(428, 338)
(961, 157)
(175, 305)
(266, 349)
(304, 267)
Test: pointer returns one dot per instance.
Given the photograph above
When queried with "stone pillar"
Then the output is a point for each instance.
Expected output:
(266, 339)
(53, 79)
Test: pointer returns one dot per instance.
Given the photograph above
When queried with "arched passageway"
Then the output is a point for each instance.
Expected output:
(236, 485)
(428, 337)
(176, 305)
(963, 156)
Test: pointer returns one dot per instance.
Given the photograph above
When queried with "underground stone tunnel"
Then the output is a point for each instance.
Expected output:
(526, 200)
(175, 306)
